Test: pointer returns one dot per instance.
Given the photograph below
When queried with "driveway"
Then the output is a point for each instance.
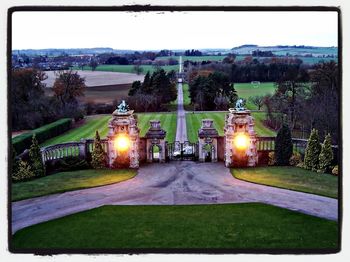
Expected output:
(181, 130)
(175, 183)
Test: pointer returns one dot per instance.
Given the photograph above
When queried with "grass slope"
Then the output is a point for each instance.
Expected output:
(87, 130)
(68, 181)
(291, 178)
(233, 226)
(129, 68)
(194, 121)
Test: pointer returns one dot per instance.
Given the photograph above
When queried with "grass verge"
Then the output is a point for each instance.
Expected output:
(68, 181)
(293, 178)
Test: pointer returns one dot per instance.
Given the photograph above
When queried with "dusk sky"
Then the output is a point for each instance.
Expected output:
(177, 30)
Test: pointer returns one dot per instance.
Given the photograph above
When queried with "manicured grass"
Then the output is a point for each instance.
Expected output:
(68, 181)
(232, 226)
(129, 68)
(246, 90)
(100, 123)
(194, 121)
(291, 178)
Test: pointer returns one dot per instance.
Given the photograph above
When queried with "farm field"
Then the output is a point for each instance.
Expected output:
(130, 68)
(194, 121)
(99, 122)
(293, 178)
(235, 226)
(98, 78)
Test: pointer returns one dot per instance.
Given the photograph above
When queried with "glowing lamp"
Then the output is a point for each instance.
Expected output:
(241, 141)
(122, 143)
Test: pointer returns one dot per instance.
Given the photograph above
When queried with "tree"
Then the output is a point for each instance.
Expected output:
(30, 107)
(208, 92)
(68, 86)
(137, 69)
(35, 158)
(257, 100)
(326, 155)
(283, 146)
(312, 153)
(93, 64)
(99, 158)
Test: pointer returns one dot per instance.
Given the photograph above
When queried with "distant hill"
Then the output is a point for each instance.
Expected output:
(284, 50)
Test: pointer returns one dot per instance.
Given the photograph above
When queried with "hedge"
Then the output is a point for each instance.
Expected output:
(23, 141)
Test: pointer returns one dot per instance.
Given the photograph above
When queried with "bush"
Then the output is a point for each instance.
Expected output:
(326, 156)
(312, 153)
(35, 158)
(23, 141)
(295, 159)
(66, 164)
(335, 170)
(99, 157)
(272, 159)
(23, 172)
(283, 146)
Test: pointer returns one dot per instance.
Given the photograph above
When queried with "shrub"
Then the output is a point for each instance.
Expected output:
(66, 164)
(43, 133)
(295, 159)
(23, 172)
(312, 153)
(326, 156)
(335, 170)
(272, 160)
(35, 158)
(283, 146)
(99, 158)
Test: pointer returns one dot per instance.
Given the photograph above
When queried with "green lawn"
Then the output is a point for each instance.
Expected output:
(68, 181)
(194, 121)
(291, 178)
(87, 130)
(246, 90)
(232, 226)
(129, 68)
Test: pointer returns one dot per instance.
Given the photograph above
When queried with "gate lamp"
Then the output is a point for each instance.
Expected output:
(241, 141)
(122, 142)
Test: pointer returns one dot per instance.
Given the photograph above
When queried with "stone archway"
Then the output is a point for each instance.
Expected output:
(207, 142)
(155, 138)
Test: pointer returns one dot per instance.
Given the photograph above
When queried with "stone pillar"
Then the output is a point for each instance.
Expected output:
(123, 124)
(156, 136)
(207, 135)
(240, 123)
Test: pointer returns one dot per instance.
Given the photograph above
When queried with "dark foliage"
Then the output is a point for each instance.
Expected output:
(283, 146)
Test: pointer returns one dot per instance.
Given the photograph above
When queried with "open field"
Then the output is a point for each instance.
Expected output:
(68, 181)
(194, 121)
(130, 68)
(97, 78)
(293, 178)
(246, 90)
(234, 226)
(99, 122)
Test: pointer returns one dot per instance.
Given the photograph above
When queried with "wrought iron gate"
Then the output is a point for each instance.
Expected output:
(182, 151)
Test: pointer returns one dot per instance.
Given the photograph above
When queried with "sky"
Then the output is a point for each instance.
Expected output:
(171, 30)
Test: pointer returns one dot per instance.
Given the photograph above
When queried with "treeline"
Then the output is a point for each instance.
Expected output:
(249, 70)
(307, 100)
(31, 107)
(193, 53)
(154, 92)
(212, 91)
